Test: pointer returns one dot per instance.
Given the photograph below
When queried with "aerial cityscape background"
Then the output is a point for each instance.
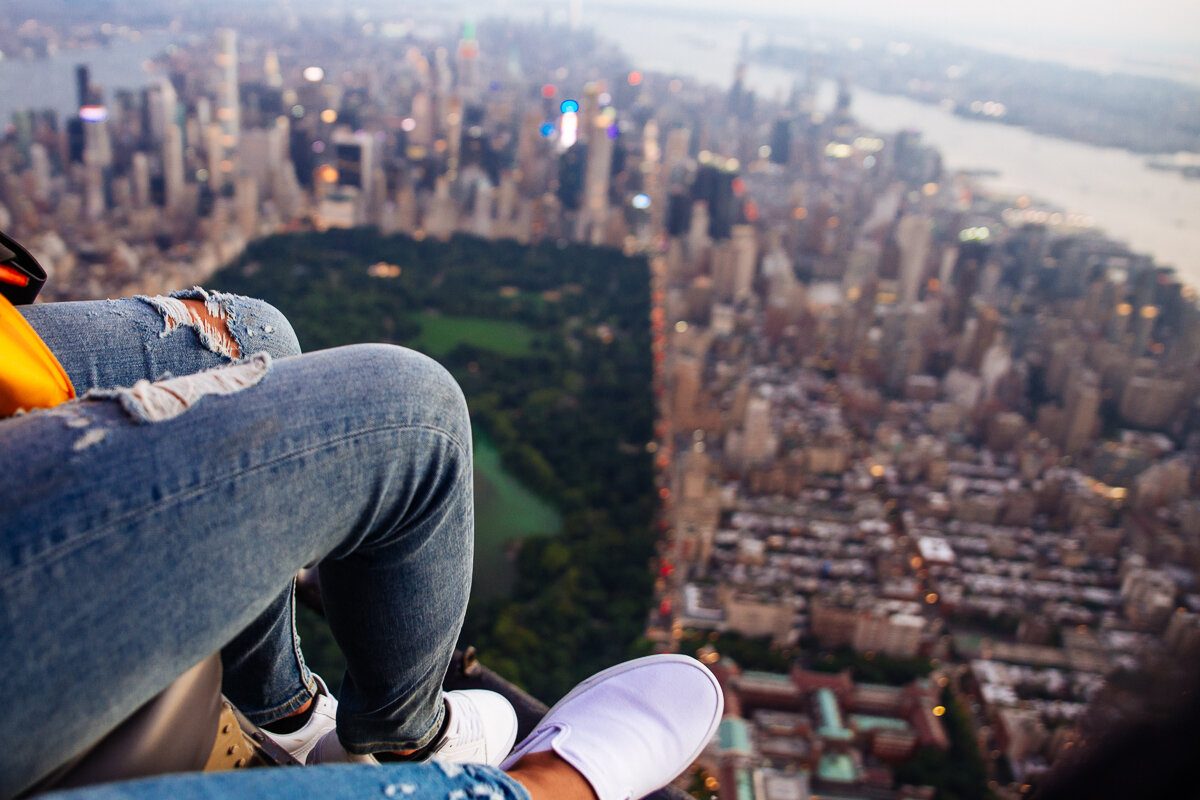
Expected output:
(854, 353)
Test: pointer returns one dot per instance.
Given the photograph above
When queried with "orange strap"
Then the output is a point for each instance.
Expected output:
(30, 375)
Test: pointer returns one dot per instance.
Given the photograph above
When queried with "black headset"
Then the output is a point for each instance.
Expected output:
(21, 276)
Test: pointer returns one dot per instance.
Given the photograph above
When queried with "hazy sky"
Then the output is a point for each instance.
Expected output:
(1108, 23)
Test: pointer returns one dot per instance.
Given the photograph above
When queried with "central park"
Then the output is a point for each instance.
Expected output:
(551, 345)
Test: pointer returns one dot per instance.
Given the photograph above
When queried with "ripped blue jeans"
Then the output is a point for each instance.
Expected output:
(158, 519)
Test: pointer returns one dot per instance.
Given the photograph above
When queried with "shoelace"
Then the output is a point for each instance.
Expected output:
(463, 730)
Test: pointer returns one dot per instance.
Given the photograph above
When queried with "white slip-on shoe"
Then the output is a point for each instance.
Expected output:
(480, 728)
(632, 728)
(321, 720)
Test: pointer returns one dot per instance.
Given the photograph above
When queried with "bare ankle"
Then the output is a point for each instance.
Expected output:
(546, 776)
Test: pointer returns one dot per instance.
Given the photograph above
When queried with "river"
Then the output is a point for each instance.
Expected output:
(1154, 212)
(50, 82)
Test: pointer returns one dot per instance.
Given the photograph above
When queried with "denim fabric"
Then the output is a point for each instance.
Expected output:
(148, 528)
(117, 342)
(120, 342)
(389, 782)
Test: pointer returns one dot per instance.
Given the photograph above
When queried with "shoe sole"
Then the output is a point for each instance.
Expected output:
(629, 666)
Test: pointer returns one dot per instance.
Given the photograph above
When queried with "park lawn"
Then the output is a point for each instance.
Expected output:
(440, 334)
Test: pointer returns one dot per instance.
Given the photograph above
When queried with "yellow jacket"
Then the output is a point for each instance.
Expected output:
(30, 375)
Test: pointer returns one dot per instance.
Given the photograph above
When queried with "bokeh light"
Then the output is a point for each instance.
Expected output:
(93, 113)
(570, 128)
(314, 74)
(569, 106)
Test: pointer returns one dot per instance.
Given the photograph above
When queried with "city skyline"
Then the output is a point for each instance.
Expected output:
(925, 454)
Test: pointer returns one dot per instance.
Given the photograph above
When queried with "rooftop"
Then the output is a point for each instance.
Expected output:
(734, 735)
(766, 681)
(831, 717)
(744, 783)
(867, 722)
(837, 767)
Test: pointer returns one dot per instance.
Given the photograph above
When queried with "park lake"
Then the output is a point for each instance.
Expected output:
(505, 511)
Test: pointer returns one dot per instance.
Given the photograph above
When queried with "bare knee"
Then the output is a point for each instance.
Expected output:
(227, 324)
(217, 327)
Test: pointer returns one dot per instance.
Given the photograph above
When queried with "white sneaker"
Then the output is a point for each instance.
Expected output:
(632, 728)
(480, 728)
(322, 719)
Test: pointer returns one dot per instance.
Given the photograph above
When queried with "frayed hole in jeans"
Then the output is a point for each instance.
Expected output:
(211, 324)
(167, 399)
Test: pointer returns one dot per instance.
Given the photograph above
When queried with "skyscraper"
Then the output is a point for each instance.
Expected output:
(354, 158)
(162, 103)
(745, 260)
(172, 158)
(529, 140)
(1083, 411)
(453, 126)
(228, 108)
(686, 377)
(140, 179)
(246, 205)
(39, 167)
(781, 142)
(76, 141)
(468, 62)
(676, 151)
(596, 183)
(422, 116)
(914, 235)
(714, 185)
(758, 441)
(83, 85)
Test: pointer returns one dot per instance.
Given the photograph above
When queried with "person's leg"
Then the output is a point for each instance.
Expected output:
(430, 781)
(109, 343)
(546, 775)
(151, 526)
(622, 733)
(542, 776)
